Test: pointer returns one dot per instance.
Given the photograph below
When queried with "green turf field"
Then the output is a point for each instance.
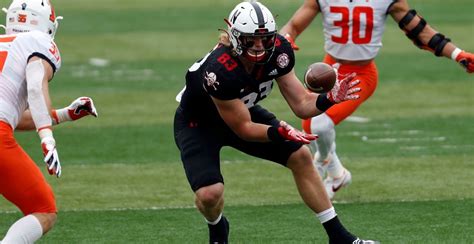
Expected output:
(412, 163)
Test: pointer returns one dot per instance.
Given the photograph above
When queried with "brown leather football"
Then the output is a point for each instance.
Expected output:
(320, 77)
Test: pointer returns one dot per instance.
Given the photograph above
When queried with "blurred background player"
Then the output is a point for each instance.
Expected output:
(28, 59)
(353, 36)
(218, 107)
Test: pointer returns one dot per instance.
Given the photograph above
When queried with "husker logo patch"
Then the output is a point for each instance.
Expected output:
(211, 79)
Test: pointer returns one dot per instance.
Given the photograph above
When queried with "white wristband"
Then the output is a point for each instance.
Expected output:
(455, 53)
(63, 115)
(45, 133)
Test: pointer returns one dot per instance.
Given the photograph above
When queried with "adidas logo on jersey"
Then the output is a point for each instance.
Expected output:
(273, 73)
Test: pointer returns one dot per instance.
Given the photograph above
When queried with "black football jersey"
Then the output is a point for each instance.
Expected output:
(221, 75)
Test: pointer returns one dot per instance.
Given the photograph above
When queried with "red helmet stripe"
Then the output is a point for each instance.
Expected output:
(52, 16)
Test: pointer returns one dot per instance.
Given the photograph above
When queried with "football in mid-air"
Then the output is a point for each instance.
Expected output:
(320, 77)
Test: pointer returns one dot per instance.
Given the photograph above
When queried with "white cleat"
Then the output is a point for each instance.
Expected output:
(333, 185)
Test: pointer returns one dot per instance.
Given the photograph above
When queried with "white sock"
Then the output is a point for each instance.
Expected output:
(24, 231)
(215, 221)
(326, 215)
(335, 168)
(323, 126)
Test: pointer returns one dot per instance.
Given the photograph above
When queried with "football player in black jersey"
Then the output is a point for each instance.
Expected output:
(218, 107)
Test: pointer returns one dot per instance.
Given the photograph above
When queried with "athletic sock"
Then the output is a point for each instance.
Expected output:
(215, 221)
(25, 230)
(337, 233)
(218, 230)
(335, 168)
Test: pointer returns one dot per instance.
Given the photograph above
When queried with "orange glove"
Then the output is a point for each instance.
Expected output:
(464, 58)
(292, 42)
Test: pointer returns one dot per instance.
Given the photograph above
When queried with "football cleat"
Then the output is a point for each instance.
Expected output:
(333, 185)
(359, 241)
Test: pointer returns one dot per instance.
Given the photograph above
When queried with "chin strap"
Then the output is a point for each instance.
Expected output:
(56, 25)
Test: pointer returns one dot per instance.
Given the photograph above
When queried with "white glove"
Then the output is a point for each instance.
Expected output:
(51, 158)
(79, 108)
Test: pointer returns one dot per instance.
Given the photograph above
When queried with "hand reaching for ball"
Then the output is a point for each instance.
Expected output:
(344, 89)
(324, 78)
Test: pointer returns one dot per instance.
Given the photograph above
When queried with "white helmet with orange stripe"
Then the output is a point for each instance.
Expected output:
(28, 15)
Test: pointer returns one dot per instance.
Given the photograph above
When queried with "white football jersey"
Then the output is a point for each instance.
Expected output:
(15, 51)
(353, 29)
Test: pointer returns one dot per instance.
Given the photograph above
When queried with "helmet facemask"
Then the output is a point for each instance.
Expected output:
(261, 55)
(251, 22)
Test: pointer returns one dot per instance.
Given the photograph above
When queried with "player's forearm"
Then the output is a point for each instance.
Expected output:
(242, 125)
(420, 32)
(238, 118)
(295, 27)
(26, 122)
(291, 29)
(38, 94)
(306, 107)
(251, 131)
(427, 35)
(301, 19)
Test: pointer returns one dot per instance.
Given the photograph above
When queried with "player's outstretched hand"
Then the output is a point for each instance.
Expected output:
(466, 60)
(344, 89)
(289, 133)
(48, 144)
(81, 107)
(292, 42)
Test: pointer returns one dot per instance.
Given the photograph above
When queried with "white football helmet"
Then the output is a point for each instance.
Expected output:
(252, 19)
(28, 15)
